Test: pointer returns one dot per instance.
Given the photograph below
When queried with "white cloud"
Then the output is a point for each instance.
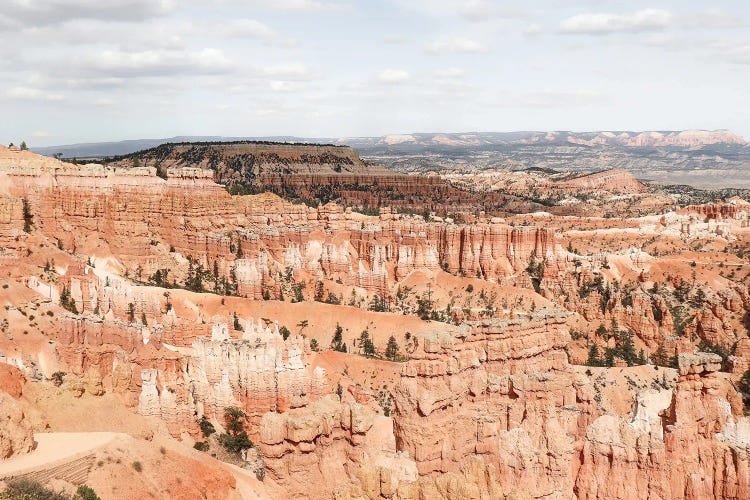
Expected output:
(455, 45)
(711, 18)
(395, 39)
(33, 94)
(483, 10)
(287, 72)
(601, 24)
(40, 133)
(250, 28)
(553, 98)
(394, 76)
(285, 85)
(533, 29)
(738, 54)
(43, 12)
(119, 63)
(103, 102)
(302, 5)
(450, 73)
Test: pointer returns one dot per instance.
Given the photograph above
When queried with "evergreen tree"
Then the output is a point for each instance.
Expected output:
(627, 349)
(338, 338)
(284, 331)
(369, 348)
(744, 387)
(594, 356)
(28, 218)
(391, 350)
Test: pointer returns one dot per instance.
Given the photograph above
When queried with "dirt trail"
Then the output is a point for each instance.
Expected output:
(54, 449)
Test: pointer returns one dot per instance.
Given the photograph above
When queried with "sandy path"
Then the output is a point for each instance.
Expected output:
(55, 447)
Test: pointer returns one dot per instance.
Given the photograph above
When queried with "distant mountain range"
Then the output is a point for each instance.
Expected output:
(427, 141)
(700, 158)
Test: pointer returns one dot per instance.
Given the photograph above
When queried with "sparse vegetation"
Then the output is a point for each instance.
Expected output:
(235, 439)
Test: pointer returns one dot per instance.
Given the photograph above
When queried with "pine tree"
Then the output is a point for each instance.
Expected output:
(338, 338)
(391, 350)
(28, 218)
(744, 387)
(369, 348)
(594, 356)
(659, 357)
(284, 331)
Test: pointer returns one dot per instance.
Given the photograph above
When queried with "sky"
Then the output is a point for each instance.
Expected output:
(93, 70)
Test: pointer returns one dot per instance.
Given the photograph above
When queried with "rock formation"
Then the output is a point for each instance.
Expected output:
(16, 435)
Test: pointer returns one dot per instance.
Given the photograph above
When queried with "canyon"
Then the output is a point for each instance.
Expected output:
(589, 340)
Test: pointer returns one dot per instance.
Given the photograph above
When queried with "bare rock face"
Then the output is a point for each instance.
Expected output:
(319, 444)
(259, 373)
(503, 392)
(11, 380)
(16, 436)
(696, 447)
(500, 390)
(615, 180)
(152, 225)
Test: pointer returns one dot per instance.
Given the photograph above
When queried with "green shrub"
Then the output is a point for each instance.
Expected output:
(25, 489)
(207, 428)
(86, 493)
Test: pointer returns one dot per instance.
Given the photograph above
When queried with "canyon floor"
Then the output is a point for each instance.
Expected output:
(261, 320)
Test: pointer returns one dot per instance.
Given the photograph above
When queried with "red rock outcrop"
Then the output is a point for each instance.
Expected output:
(616, 180)
(16, 435)
(319, 444)
(500, 390)
(697, 448)
(503, 392)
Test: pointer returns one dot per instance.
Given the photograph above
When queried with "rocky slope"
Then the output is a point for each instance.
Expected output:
(151, 305)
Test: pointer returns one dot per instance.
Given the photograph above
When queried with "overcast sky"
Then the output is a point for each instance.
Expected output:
(95, 70)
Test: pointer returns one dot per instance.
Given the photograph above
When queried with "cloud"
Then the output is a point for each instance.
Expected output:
(533, 29)
(286, 85)
(43, 12)
(395, 39)
(450, 73)
(394, 76)
(738, 54)
(711, 18)
(303, 5)
(119, 63)
(287, 72)
(455, 45)
(250, 28)
(104, 102)
(602, 24)
(483, 10)
(550, 98)
(33, 94)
